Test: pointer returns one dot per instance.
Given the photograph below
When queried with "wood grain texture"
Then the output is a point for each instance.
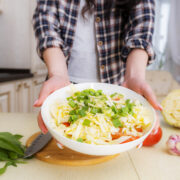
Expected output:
(54, 155)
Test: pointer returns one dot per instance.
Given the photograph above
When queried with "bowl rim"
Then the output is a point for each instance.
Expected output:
(49, 127)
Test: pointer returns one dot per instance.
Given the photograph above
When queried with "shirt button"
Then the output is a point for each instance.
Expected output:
(100, 43)
(102, 67)
(98, 19)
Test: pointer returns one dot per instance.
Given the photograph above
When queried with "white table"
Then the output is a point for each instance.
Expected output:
(153, 163)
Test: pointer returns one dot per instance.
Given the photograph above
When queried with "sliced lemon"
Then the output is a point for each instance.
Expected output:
(171, 108)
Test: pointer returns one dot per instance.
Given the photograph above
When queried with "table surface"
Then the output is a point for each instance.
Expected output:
(138, 164)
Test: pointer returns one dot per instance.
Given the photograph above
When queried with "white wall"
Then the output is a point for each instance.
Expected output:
(17, 42)
(15, 34)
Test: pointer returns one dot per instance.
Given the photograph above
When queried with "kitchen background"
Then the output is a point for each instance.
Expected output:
(22, 72)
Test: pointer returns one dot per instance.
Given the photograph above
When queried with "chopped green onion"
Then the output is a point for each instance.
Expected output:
(70, 98)
(80, 140)
(85, 108)
(86, 122)
(117, 123)
(94, 110)
(73, 112)
(114, 109)
(82, 113)
(73, 118)
(123, 111)
(114, 94)
(72, 103)
(77, 93)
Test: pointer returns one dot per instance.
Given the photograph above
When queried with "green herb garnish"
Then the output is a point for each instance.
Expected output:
(11, 150)
(86, 122)
(117, 123)
(80, 140)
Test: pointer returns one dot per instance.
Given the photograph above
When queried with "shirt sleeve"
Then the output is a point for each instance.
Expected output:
(139, 30)
(47, 27)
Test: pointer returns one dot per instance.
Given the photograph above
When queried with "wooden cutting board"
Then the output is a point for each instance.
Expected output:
(54, 155)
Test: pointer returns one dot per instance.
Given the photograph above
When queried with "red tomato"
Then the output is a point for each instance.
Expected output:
(67, 124)
(117, 134)
(116, 99)
(154, 137)
(138, 129)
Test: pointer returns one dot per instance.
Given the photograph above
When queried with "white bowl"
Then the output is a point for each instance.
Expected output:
(91, 149)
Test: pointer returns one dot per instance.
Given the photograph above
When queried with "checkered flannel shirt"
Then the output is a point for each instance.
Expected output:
(55, 24)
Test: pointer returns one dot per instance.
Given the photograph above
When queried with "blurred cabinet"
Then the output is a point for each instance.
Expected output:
(36, 87)
(7, 98)
(19, 96)
(23, 94)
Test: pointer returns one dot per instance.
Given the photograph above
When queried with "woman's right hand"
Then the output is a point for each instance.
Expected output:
(53, 83)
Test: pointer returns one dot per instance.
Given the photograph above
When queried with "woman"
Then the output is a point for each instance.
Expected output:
(100, 40)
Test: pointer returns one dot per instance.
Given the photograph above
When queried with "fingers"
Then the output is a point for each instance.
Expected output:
(150, 96)
(44, 93)
(41, 124)
(124, 84)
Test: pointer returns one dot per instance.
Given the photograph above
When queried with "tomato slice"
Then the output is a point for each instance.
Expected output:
(154, 137)
(130, 139)
(117, 134)
(138, 129)
(67, 124)
(116, 99)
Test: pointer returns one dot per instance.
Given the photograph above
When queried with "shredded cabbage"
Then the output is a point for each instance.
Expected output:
(92, 117)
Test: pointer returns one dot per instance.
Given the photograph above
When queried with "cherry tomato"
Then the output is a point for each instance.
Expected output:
(154, 137)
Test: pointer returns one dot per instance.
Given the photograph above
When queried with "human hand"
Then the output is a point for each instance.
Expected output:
(142, 87)
(53, 83)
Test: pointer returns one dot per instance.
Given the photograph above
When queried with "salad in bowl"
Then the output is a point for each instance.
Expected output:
(97, 118)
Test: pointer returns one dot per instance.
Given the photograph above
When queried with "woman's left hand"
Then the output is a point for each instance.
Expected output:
(142, 87)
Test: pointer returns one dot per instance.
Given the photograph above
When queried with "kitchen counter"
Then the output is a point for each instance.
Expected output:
(14, 74)
(153, 163)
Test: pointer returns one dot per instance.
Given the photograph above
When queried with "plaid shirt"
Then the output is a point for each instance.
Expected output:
(55, 24)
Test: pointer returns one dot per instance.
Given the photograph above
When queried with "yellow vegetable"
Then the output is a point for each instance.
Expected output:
(171, 108)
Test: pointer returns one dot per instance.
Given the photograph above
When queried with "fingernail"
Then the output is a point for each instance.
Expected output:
(35, 102)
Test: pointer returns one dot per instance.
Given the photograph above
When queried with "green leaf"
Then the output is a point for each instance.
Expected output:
(11, 143)
(80, 140)
(3, 169)
(11, 147)
(12, 155)
(4, 155)
(86, 122)
(18, 136)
